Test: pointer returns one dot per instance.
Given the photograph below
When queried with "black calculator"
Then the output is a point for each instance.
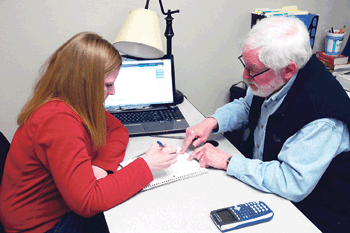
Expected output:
(243, 215)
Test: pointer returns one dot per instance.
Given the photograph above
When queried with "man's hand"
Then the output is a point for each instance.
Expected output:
(198, 134)
(210, 156)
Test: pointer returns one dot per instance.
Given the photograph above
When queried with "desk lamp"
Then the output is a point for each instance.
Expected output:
(140, 34)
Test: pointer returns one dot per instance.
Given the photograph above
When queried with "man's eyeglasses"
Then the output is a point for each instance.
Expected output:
(252, 76)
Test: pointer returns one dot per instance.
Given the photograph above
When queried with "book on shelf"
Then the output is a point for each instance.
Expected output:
(332, 60)
(336, 67)
(341, 71)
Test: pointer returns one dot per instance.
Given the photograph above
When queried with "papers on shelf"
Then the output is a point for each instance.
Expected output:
(284, 11)
(341, 71)
(344, 80)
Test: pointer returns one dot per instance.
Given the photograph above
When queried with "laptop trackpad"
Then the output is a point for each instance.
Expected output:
(135, 128)
(158, 127)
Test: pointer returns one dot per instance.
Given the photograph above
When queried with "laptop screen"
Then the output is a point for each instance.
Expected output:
(142, 83)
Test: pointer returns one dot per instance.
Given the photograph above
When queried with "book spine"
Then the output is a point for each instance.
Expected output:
(328, 65)
(326, 59)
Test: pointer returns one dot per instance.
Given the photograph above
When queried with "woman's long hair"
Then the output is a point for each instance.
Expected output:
(75, 74)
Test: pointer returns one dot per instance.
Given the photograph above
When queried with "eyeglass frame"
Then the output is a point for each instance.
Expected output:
(252, 76)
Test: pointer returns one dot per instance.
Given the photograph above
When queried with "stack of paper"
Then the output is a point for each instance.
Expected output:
(344, 80)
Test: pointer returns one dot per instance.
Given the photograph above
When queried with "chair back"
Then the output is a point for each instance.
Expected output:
(4, 149)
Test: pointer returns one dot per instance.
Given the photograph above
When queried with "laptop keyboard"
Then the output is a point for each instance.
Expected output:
(164, 115)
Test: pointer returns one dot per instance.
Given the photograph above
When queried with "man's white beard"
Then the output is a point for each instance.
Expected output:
(270, 88)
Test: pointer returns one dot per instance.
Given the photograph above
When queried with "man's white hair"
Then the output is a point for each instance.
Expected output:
(280, 40)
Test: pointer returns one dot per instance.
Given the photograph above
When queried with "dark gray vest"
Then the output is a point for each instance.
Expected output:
(315, 94)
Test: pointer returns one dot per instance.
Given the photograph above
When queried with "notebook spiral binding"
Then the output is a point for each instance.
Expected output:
(194, 174)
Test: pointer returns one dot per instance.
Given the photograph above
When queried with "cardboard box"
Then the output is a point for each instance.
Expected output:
(310, 21)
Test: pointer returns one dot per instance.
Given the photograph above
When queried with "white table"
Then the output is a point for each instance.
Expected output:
(184, 206)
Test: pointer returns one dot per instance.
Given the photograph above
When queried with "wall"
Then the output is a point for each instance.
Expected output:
(206, 44)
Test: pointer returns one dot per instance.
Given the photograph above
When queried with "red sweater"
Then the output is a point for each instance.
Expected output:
(48, 170)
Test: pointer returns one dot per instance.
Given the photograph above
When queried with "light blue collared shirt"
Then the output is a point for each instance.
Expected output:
(303, 158)
(269, 106)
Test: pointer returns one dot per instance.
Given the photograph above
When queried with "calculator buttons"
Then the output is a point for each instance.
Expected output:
(237, 216)
(251, 210)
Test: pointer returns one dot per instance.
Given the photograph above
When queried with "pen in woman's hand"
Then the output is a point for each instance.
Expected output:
(159, 143)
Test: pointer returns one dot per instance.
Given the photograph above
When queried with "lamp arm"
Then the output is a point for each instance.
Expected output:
(169, 12)
(147, 3)
(162, 8)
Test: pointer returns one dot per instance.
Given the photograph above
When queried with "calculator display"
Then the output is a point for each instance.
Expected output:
(226, 216)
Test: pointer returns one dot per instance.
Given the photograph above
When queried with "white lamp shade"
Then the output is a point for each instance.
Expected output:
(140, 35)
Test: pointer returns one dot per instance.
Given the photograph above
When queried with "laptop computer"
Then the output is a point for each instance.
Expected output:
(146, 87)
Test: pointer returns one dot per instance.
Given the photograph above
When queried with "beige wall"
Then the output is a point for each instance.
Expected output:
(206, 44)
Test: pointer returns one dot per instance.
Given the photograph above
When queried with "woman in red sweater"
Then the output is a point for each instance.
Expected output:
(61, 167)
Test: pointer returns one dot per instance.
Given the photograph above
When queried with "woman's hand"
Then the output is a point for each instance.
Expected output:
(99, 172)
(160, 158)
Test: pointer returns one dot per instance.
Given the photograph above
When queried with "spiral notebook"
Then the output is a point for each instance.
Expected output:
(180, 170)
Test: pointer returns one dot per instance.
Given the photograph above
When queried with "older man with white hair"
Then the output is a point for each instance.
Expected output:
(298, 116)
